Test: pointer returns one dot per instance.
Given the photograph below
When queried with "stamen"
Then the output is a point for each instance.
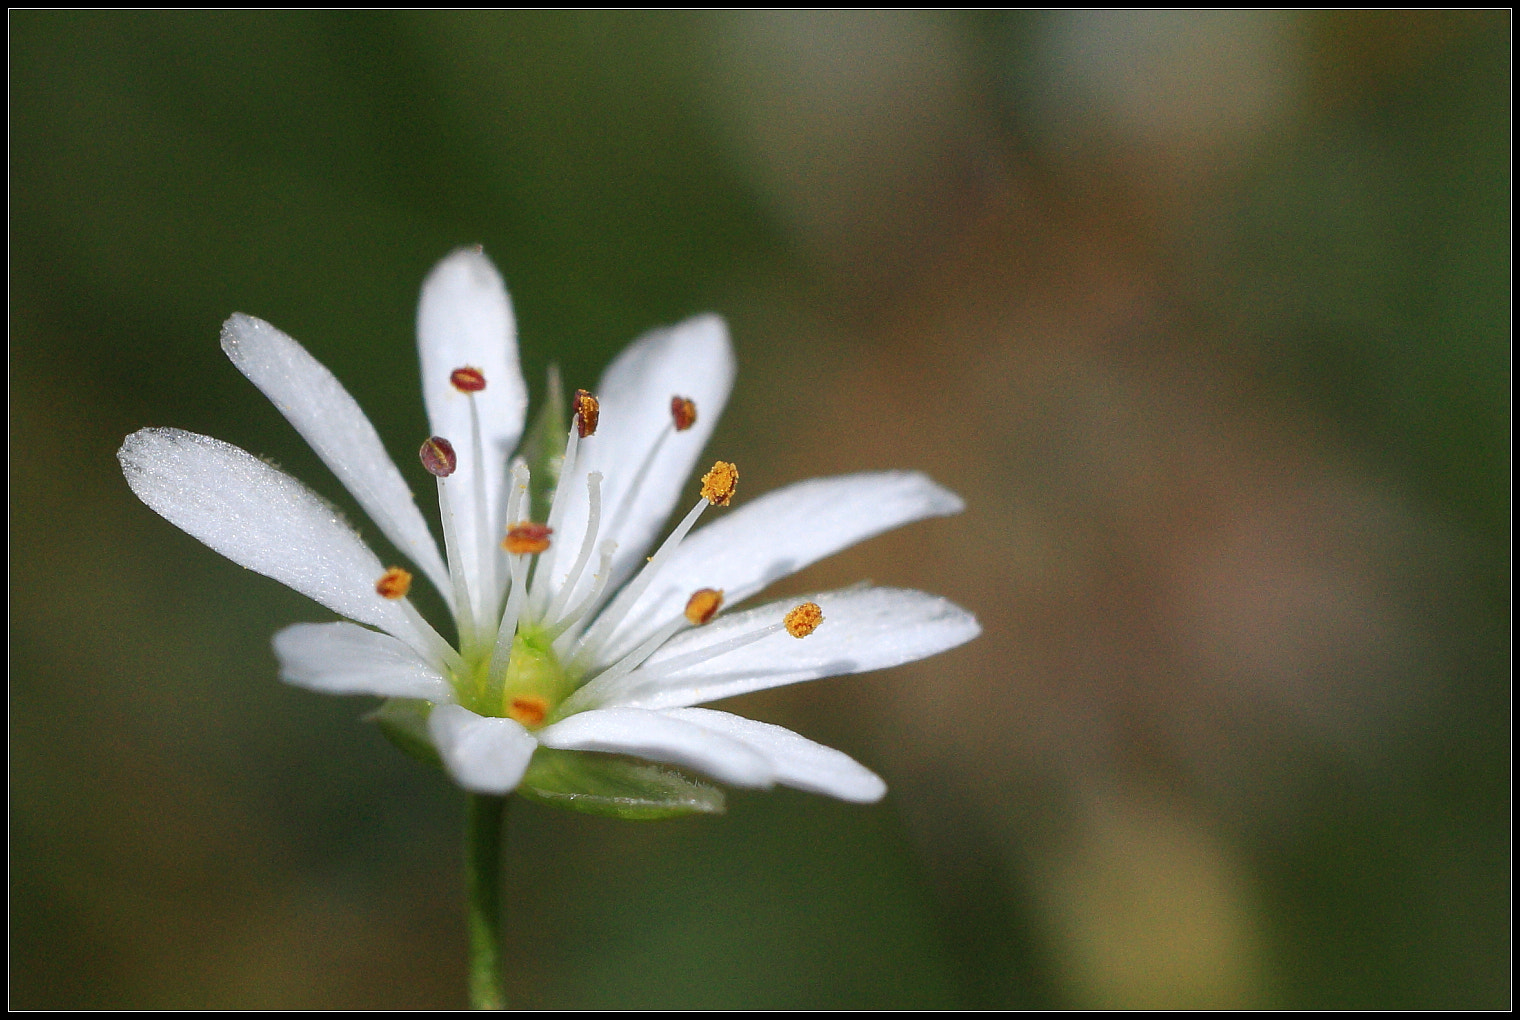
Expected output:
(428, 642)
(718, 485)
(545, 566)
(598, 583)
(394, 584)
(591, 693)
(703, 605)
(609, 620)
(527, 539)
(486, 598)
(529, 710)
(680, 662)
(520, 477)
(588, 543)
(517, 499)
(634, 659)
(438, 457)
(683, 411)
(468, 379)
(464, 607)
(635, 486)
(803, 620)
(587, 413)
(501, 653)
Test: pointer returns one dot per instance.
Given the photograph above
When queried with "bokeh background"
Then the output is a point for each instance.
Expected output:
(1206, 316)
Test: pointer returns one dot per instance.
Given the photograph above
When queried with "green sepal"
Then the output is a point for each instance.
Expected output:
(404, 721)
(544, 448)
(602, 784)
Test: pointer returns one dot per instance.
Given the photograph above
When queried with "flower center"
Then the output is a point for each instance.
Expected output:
(535, 682)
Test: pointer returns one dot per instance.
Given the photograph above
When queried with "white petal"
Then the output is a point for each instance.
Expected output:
(863, 629)
(465, 319)
(692, 360)
(798, 761)
(658, 737)
(261, 518)
(343, 658)
(484, 755)
(778, 534)
(332, 422)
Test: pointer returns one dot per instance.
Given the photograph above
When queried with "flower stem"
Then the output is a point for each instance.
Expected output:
(484, 815)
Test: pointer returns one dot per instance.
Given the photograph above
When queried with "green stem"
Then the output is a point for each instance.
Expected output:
(484, 815)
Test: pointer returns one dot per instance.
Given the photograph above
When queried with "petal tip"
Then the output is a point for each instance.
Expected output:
(238, 329)
(141, 445)
(942, 501)
(469, 266)
(964, 625)
(869, 792)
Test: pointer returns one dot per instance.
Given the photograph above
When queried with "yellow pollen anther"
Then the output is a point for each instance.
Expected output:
(394, 584)
(703, 605)
(803, 620)
(527, 538)
(718, 485)
(437, 456)
(683, 410)
(587, 411)
(468, 379)
(529, 710)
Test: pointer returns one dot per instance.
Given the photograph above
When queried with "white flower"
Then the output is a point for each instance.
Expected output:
(582, 646)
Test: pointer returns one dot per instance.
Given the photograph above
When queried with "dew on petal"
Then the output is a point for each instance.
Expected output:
(438, 457)
(394, 584)
(683, 411)
(703, 605)
(468, 379)
(527, 538)
(718, 485)
(803, 620)
(587, 412)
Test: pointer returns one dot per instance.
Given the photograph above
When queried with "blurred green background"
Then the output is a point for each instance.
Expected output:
(1206, 315)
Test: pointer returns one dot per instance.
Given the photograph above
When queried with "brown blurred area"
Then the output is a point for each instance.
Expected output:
(1191, 599)
(1205, 315)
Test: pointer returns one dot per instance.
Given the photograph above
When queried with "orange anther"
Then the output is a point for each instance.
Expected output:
(703, 605)
(803, 620)
(718, 485)
(529, 710)
(527, 538)
(394, 584)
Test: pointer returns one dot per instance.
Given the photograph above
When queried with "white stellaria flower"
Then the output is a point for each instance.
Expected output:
(576, 650)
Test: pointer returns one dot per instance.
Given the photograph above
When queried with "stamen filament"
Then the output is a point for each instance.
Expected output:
(501, 652)
(625, 505)
(598, 583)
(540, 593)
(464, 610)
(518, 491)
(588, 543)
(608, 621)
(630, 662)
(592, 693)
(432, 644)
(681, 662)
(488, 595)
